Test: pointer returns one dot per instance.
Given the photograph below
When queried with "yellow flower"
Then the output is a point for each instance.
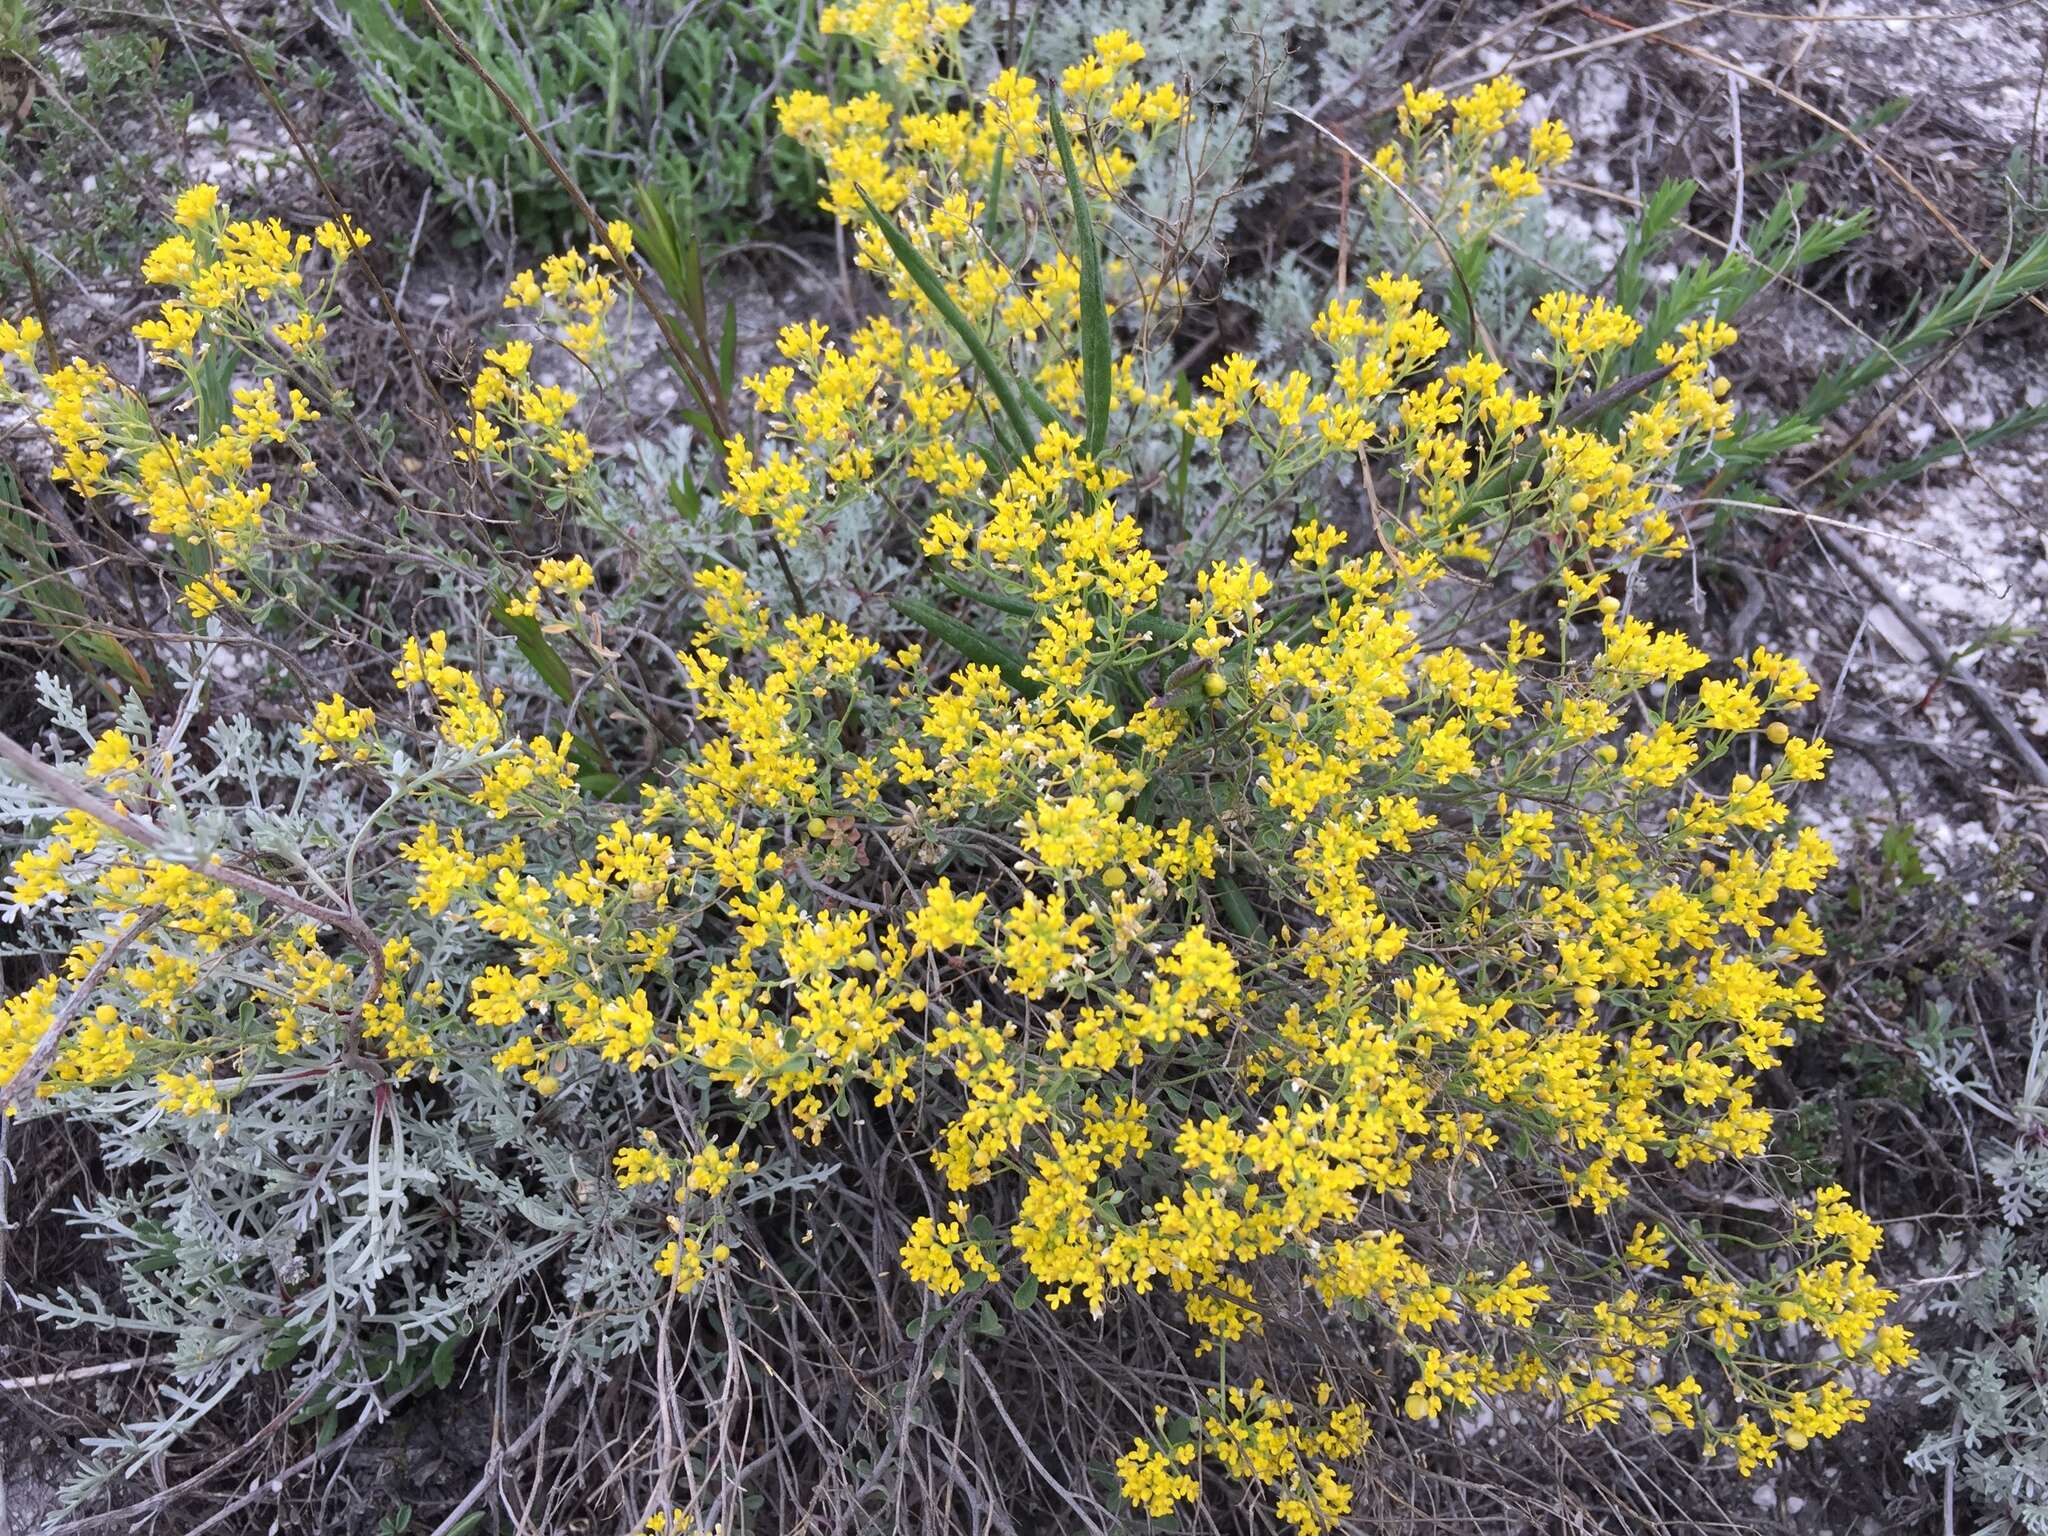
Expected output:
(1155, 1481)
(195, 205)
(187, 1093)
(947, 921)
(336, 727)
(341, 238)
(1040, 942)
(18, 339)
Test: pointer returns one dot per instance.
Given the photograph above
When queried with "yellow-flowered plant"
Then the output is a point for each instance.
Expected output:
(1212, 885)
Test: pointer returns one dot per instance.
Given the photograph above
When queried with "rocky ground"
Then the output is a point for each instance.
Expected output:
(1964, 549)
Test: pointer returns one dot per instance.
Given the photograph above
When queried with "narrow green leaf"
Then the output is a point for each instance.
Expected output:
(1160, 626)
(1023, 608)
(1469, 269)
(212, 381)
(599, 785)
(541, 655)
(686, 497)
(657, 239)
(442, 1365)
(1096, 363)
(1652, 231)
(971, 643)
(283, 1349)
(1184, 397)
(929, 284)
(1188, 696)
(1876, 117)
(693, 280)
(2027, 420)
(728, 348)
(1237, 908)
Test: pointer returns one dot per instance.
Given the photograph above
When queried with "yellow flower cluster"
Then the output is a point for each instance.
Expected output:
(520, 423)
(1220, 918)
(936, 1251)
(147, 1016)
(338, 729)
(1441, 159)
(1257, 1438)
(239, 286)
(695, 1186)
(911, 38)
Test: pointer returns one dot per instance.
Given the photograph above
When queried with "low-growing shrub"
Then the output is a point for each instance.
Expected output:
(1988, 1378)
(1249, 942)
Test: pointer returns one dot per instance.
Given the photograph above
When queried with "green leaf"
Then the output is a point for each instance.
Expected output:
(211, 382)
(1652, 231)
(540, 654)
(283, 1349)
(33, 577)
(1160, 626)
(1469, 270)
(686, 496)
(930, 285)
(1237, 908)
(442, 1366)
(728, 348)
(1022, 607)
(599, 785)
(661, 242)
(1187, 696)
(1096, 363)
(1877, 117)
(162, 1252)
(1026, 1293)
(2028, 419)
(971, 643)
(1184, 397)
(1902, 855)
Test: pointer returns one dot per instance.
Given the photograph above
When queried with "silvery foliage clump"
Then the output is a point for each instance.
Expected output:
(1993, 1377)
(333, 1230)
(1257, 63)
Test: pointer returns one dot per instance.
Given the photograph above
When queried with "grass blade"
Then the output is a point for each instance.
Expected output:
(1096, 364)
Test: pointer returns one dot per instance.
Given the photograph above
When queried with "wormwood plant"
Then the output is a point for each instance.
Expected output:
(1994, 1324)
(1258, 921)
